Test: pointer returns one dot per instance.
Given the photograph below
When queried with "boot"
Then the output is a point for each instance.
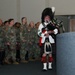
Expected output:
(26, 56)
(15, 62)
(24, 61)
(44, 66)
(7, 61)
(50, 65)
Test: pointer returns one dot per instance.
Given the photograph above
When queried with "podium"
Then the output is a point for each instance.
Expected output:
(65, 53)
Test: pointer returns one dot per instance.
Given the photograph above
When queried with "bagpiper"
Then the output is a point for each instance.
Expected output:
(47, 31)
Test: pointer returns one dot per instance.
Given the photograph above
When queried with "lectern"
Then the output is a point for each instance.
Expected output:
(65, 53)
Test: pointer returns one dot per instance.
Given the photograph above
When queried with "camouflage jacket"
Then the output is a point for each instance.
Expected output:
(2, 38)
(11, 35)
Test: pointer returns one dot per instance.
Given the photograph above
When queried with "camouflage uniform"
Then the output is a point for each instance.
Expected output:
(37, 52)
(23, 36)
(18, 44)
(2, 44)
(11, 39)
(5, 28)
(32, 40)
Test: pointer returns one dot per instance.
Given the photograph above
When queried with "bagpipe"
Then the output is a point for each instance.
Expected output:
(49, 27)
(55, 23)
(58, 24)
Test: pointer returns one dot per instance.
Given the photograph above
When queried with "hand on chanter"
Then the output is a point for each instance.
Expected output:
(49, 32)
(47, 35)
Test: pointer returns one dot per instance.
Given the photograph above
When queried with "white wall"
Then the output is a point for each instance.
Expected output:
(17, 9)
(63, 7)
(32, 9)
(8, 9)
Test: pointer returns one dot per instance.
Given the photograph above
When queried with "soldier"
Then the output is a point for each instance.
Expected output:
(37, 25)
(47, 32)
(11, 42)
(6, 24)
(37, 52)
(18, 45)
(32, 39)
(2, 43)
(23, 35)
(5, 28)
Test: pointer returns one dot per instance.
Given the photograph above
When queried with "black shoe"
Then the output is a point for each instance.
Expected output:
(44, 70)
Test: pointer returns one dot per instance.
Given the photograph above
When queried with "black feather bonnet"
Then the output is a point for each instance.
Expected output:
(47, 11)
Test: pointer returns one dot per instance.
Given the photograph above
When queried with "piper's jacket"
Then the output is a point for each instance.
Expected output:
(42, 34)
